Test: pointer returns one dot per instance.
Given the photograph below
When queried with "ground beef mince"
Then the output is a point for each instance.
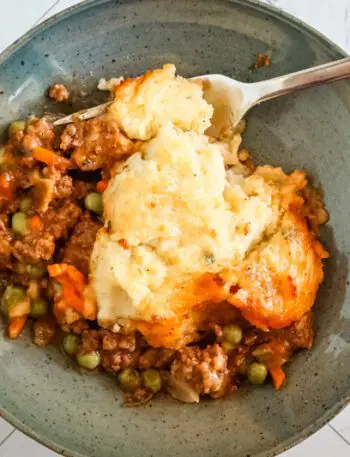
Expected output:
(33, 248)
(5, 247)
(119, 351)
(60, 220)
(59, 93)
(156, 358)
(300, 335)
(204, 369)
(95, 144)
(44, 331)
(77, 250)
(39, 132)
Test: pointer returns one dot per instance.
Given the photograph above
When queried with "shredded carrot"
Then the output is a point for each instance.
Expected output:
(278, 377)
(102, 185)
(35, 223)
(73, 284)
(51, 158)
(57, 269)
(16, 326)
(6, 186)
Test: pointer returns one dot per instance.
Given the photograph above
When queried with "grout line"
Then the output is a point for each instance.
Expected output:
(7, 437)
(46, 12)
(339, 434)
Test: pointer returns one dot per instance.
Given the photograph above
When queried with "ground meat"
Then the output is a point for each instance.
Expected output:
(77, 327)
(112, 341)
(91, 341)
(5, 246)
(119, 351)
(59, 93)
(77, 250)
(81, 189)
(156, 358)
(33, 248)
(300, 335)
(204, 369)
(59, 221)
(39, 132)
(117, 360)
(95, 144)
(44, 332)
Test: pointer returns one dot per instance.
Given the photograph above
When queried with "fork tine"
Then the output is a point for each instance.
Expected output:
(83, 114)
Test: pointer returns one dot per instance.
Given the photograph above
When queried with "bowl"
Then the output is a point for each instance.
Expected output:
(82, 416)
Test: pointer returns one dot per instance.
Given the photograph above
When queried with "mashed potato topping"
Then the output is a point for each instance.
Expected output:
(143, 105)
(184, 230)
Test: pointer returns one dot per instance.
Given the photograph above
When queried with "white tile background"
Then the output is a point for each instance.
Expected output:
(331, 17)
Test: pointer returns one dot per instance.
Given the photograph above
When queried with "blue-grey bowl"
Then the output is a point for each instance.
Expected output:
(81, 416)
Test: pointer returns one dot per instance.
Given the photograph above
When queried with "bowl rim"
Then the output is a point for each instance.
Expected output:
(261, 7)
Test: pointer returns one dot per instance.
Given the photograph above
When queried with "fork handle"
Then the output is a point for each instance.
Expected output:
(283, 85)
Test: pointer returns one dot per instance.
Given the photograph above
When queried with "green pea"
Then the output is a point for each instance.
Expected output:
(152, 380)
(94, 202)
(90, 361)
(227, 346)
(26, 204)
(39, 308)
(232, 333)
(16, 126)
(36, 271)
(11, 296)
(257, 373)
(19, 223)
(129, 379)
(71, 343)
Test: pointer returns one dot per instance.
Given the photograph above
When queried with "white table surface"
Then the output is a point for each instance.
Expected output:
(331, 17)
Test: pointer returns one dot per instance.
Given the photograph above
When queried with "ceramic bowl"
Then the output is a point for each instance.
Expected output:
(82, 416)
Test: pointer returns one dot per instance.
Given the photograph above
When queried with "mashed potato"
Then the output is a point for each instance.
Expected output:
(174, 214)
(143, 105)
(188, 227)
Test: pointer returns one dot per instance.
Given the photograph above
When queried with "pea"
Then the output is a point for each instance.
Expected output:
(71, 343)
(227, 346)
(26, 204)
(16, 126)
(232, 333)
(93, 202)
(36, 271)
(129, 379)
(19, 223)
(257, 373)
(152, 380)
(90, 361)
(11, 296)
(39, 308)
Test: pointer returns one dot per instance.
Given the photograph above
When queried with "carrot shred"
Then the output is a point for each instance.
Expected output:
(35, 223)
(70, 294)
(16, 326)
(6, 186)
(102, 185)
(57, 269)
(73, 283)
(278, 377)
(51, 158)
